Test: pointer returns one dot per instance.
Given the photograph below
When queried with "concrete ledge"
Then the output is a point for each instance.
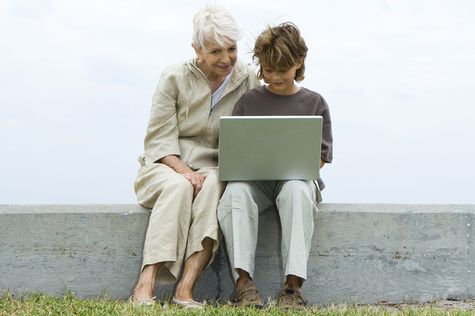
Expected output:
(361, 253)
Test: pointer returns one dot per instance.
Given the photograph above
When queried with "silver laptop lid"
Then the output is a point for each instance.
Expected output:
(269, 147)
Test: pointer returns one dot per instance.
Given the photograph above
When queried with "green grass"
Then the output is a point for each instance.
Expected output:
(69, 305)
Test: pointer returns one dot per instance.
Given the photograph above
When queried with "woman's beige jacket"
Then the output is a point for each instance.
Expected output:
(181, 120)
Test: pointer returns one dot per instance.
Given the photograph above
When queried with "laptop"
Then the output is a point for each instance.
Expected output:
(269, 147)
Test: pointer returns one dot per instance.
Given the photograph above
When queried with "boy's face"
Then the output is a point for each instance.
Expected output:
(280, 81)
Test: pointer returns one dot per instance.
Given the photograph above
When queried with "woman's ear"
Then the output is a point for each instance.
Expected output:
(198, 50)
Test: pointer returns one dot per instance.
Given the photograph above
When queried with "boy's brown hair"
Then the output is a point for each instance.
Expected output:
(280, 48)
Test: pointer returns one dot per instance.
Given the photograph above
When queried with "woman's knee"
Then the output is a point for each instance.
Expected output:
(212, 186)
(179, 185)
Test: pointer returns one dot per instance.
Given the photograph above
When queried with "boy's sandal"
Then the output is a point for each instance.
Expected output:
(248, 296)
(290, 298)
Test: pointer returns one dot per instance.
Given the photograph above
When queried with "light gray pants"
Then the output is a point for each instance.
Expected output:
(238, 215)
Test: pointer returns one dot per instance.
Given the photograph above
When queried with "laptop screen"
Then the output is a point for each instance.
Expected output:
(269, 147)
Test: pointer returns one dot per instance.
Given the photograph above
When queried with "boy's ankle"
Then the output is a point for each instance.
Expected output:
(293, 282)
(242, 282)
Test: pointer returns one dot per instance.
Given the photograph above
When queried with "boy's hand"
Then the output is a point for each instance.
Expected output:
(322, 163)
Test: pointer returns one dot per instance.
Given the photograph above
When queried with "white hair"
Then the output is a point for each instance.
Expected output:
(214, 24)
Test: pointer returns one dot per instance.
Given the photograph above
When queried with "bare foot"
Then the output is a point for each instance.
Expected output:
(143, 291)
(193, 267)
(183, 293)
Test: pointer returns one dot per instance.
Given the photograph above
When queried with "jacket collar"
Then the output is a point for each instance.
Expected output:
(238, 75)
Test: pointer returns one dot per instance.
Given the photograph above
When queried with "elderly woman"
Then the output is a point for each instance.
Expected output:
(178, 175)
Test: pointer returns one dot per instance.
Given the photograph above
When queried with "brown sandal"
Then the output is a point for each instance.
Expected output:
(248, 296)
(290, 298)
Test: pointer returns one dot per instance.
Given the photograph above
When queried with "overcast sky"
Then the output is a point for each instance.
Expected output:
(77, 78)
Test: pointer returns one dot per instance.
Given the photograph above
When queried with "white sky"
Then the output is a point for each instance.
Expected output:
(77, 77)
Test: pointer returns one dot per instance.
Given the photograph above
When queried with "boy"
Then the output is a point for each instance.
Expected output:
(280, 53)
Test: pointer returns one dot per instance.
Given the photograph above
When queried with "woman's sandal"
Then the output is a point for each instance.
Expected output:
(143, 301)
(187, 303)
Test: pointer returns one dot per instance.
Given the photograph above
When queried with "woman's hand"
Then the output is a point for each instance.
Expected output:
(195, 179)
(180, 167)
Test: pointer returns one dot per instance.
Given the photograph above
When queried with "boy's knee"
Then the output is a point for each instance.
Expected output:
(238, 188)
(236, 197)
(235, 192)
(224, 210)
(295, 187)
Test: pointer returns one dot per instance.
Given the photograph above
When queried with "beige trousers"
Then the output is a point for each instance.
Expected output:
(238, 215)
(178, 223)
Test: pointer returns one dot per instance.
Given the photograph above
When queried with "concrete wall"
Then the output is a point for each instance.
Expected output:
(361, 253)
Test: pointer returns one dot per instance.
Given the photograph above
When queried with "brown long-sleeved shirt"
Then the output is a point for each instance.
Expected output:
(261, 101)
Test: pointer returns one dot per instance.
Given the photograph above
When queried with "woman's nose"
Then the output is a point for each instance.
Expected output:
(225, 58)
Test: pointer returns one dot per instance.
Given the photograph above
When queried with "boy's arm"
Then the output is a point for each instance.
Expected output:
(327, 137)
(238, 108)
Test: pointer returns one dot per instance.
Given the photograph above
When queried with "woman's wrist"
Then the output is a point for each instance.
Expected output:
(183, 169)
(176, 164)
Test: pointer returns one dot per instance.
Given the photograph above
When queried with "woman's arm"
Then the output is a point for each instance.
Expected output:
(162, 134)
(161, 141)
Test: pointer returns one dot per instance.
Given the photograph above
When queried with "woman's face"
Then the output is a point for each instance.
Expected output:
(217, 61)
